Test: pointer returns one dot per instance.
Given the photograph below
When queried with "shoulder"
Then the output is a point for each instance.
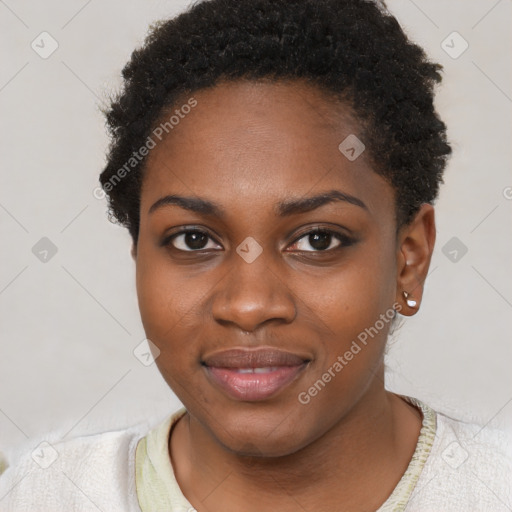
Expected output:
(482, 447)
(469, 468)
(82, 473)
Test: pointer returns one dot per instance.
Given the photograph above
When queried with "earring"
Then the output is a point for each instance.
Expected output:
(410, 302)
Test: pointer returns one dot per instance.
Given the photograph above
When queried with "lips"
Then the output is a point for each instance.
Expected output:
(255, 358)
(253, 374)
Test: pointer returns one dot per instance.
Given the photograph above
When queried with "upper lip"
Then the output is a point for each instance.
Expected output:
(253, 358)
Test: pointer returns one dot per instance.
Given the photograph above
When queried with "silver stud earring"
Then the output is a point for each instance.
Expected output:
(410, 302)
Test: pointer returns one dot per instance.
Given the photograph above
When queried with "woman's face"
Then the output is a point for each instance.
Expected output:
(250, 309)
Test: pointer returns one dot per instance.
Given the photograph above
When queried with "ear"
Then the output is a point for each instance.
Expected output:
(415, 246)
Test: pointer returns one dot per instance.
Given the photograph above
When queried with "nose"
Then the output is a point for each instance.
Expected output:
(253, 294)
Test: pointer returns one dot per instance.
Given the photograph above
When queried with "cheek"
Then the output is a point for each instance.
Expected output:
(354, 317)
(354, 296)
(354, 310)
(165, 309)
(163, 294)
(171, 301)
(155, 302)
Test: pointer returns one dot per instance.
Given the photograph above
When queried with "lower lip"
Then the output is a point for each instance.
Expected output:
(254, 387)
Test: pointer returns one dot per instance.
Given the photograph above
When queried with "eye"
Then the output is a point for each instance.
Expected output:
(189, 240)
(321, 240)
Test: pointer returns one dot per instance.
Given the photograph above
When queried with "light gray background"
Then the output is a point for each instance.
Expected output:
(69, 326)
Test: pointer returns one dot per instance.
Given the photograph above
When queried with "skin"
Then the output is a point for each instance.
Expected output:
(248, 146)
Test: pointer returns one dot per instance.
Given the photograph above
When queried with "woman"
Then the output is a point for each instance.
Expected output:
(276, 164)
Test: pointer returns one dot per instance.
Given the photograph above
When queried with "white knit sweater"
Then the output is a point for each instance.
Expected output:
(456, 467)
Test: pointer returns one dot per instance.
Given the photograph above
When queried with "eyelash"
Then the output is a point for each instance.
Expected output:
(344, 240)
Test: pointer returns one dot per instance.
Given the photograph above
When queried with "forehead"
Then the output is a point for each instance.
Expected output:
(259, 142)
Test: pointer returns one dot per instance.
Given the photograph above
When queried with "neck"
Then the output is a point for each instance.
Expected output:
(357, 462)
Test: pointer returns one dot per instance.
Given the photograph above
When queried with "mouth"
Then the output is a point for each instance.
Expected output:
(253, 375)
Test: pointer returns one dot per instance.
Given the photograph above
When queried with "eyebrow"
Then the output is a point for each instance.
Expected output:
(282, 209)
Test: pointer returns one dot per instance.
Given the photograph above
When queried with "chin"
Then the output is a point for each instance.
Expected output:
(263, 446)
(261, 435)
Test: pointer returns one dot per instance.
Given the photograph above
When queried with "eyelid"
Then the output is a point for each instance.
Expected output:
(324, 228)
(183, 230)
(344, 239)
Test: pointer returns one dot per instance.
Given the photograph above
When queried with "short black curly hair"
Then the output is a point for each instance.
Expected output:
(355, 50)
